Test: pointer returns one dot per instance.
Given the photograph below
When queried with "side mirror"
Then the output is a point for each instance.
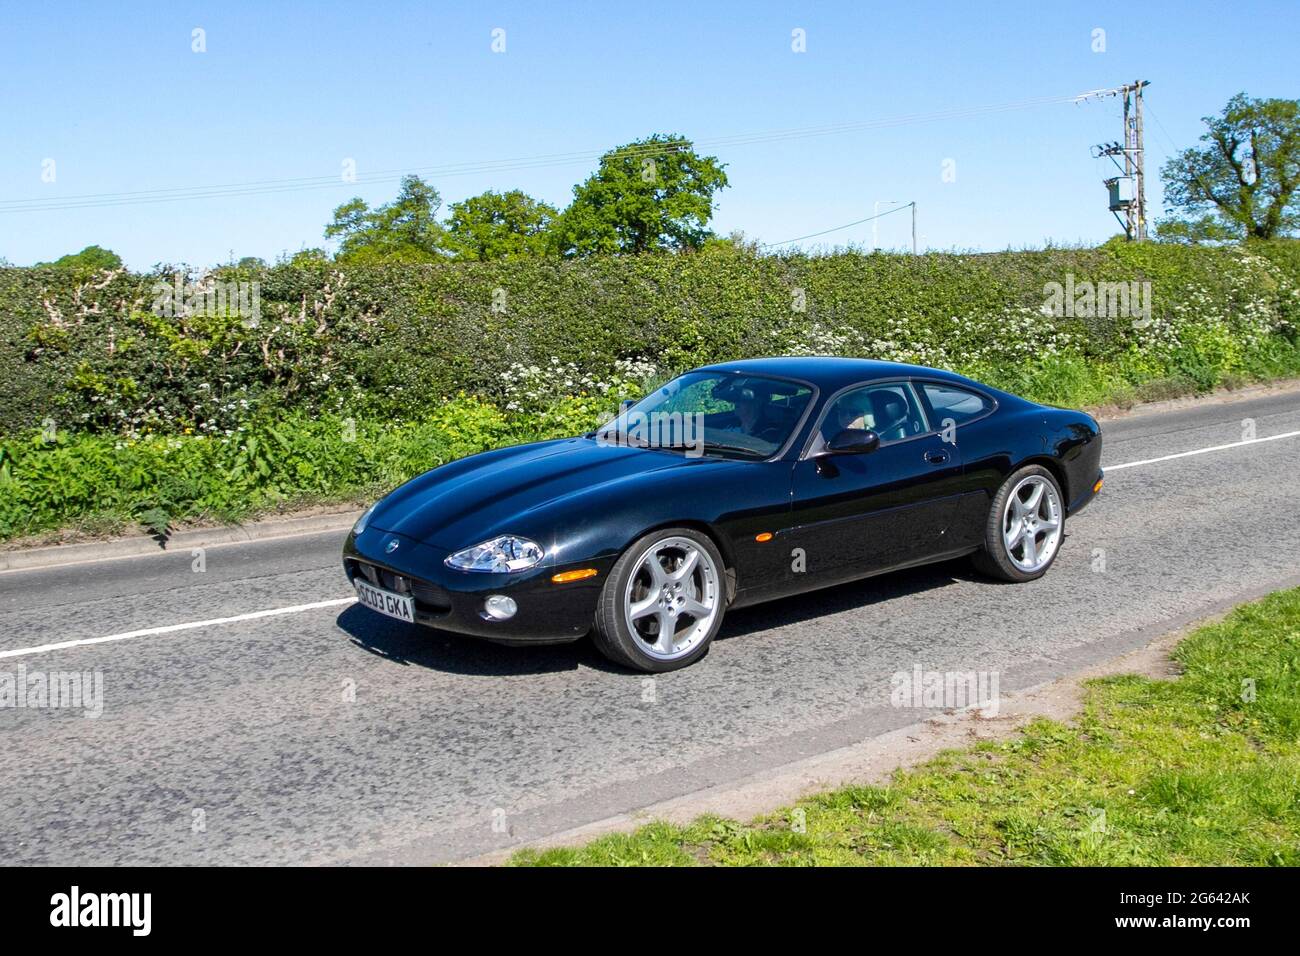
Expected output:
(853, 441)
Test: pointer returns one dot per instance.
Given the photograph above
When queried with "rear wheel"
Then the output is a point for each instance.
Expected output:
(663, 601)
(1025, 527)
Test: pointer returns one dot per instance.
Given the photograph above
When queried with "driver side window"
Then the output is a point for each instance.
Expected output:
(890, 410)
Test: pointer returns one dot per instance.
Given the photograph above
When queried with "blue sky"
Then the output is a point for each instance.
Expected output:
(113, 93)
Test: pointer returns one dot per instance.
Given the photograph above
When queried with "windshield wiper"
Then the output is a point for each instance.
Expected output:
(614, 436)
(719, 446)
(742, 449)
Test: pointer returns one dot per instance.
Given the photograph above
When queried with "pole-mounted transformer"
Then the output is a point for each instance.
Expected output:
(1127, 192)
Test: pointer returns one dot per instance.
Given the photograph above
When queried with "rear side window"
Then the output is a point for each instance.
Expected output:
(952, 402)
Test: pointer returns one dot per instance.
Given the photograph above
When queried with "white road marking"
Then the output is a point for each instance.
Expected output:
(297, 608)
(172, 628)
(1199, 451)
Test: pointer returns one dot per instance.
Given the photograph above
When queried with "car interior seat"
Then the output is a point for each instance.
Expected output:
(891, 415)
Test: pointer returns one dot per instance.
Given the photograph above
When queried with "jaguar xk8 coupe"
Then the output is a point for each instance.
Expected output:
(732, 484)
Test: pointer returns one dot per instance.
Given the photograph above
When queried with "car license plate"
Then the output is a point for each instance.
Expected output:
(386, 602)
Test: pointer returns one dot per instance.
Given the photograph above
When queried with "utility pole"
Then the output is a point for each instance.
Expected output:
(1138, 155)
(1128, 193)
(875, 214)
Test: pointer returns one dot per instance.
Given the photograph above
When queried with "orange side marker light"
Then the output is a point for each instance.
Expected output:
(765, 536)
(564, 577)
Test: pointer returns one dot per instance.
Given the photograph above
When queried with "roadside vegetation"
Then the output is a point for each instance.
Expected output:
(114, 413)
(1200, 770)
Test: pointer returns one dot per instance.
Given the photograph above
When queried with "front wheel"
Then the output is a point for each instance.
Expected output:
(1025, 526)
(663, 601)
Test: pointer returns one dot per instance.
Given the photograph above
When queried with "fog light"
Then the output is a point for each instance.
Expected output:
(499, 607)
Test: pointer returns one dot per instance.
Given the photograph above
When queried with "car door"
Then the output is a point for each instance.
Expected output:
(856, 514)
(962, 416)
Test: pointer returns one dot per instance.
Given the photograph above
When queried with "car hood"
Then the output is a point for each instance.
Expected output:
(504, 492)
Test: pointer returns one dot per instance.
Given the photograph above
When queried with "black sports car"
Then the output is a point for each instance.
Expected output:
(733, 484)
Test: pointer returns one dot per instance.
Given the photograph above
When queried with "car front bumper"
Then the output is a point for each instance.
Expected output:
(453, 600)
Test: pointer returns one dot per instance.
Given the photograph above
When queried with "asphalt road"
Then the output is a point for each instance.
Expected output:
(333, 735)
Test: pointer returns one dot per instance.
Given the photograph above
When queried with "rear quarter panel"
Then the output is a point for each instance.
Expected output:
(1066, 442)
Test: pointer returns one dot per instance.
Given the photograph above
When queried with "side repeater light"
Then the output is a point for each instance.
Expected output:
(1097, 487)
(564, 577)
(765, 536)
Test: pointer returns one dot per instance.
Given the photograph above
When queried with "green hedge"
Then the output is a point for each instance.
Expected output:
(88, 351)
(352, 380)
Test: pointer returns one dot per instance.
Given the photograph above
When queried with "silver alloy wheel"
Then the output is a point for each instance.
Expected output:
(672, 597)
(1031, 523)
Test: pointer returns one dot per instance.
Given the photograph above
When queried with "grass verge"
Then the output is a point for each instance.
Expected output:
(1203, 770)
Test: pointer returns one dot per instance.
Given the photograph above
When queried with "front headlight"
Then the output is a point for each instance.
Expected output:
(506, 553)
(360, 526)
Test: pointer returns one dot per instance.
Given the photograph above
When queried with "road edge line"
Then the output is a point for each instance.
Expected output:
(173, 628)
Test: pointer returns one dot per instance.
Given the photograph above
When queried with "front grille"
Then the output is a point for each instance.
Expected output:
(382, 577)
(429, 598)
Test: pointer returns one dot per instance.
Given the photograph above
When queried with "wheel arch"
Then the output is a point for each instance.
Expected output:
(1057, 470)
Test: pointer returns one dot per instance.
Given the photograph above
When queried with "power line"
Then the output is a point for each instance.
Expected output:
(1173, 149)
(268, 186)
(847, 225)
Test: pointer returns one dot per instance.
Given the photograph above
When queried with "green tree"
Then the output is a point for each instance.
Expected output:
(496, 225)
(1242, 183)
(303, 258)
(404, 230)
(656, 193)
(89, 259)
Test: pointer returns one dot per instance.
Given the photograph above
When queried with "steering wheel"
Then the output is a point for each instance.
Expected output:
(899, 422)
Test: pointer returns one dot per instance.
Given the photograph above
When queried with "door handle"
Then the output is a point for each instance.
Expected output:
(936, 457)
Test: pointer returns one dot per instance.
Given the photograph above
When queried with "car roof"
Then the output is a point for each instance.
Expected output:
(830, 373)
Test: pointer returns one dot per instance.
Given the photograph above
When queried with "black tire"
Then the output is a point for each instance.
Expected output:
(992, 559)
(611, 633)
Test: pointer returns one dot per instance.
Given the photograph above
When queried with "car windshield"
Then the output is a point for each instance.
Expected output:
(716, 413)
